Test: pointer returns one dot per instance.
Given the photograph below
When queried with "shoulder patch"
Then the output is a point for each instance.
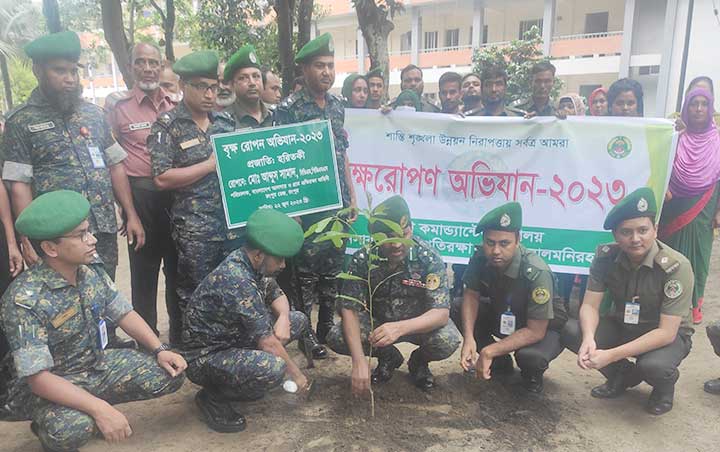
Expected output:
(540, 295)
(531, 272)
(165, 119)
(667, 262)
(288, 101)
(607, 250)
(673, 289)
(26, 298)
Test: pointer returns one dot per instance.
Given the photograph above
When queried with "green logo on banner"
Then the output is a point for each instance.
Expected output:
(619, 147)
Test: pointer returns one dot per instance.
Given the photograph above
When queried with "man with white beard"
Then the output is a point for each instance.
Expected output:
(131, 119)
(226, 94)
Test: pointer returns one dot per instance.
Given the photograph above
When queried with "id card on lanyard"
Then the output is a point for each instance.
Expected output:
(102, 334)
(507, 319)
(632, 312)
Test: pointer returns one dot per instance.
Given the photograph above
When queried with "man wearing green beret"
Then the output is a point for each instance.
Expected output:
(411, 303)
(239, 323)
(55, 316)
(650, 286)
(509, 294)
(242, 71)
(376, 88)
(311, 275)
(58, 141)
(183, 161)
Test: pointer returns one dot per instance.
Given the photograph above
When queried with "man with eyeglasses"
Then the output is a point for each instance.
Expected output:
(131, 120)
(183, 162)
(56, 315)
(242, 72)
(58, 141)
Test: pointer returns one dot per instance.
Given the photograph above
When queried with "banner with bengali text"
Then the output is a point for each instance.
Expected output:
(567, 174)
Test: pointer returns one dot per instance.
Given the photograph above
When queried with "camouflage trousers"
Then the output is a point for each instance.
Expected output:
(316, 268)
(107, 249)
(241, 374)
(196, 259)
(436, 345)
(126, 376)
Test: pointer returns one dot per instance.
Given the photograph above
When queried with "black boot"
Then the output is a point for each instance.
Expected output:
(420, 372)
(389, 359)
(712, 386)
(626, 377)
(532, 381)
(311, 347)
(660, 401)
(219, 416)
(325, 322)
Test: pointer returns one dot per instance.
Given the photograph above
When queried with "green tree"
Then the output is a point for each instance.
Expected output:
(17, 26)
(517, 57)
(22, 80)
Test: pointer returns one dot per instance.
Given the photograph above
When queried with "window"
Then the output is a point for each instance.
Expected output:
(596, 23)
(484, 39)
(431, 40)
(406, 42)
(526, 25)
(648, 70)
(452, 38)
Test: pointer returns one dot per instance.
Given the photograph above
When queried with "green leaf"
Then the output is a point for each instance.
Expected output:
(322, 224)
(337, 242)
(332, 235)
(393, 226)
(373, 266)
(348, 297)
(378, 236)
(337, 226)
(310, 230)
(349, 277)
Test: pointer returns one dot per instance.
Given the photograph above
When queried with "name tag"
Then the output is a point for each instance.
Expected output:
(96, 157)
(507, 323)
(41, 126)
(189, 143)
(62, 318)
(140, 126)
(632, 313)
(413, 283)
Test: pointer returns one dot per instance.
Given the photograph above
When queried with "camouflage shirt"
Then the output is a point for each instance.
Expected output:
(419, 285)
(52, 325)
(230, 308)
(52, 151)
(243, 119)
(301, 107)
(526, 287)
(176, 141)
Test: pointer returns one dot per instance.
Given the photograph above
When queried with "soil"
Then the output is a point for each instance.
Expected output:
(460, 414)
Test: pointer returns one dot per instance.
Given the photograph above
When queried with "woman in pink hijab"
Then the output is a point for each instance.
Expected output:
(598, 102)
(691, 205)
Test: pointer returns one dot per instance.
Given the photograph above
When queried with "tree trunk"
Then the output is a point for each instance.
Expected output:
(169, 26)
(115, 36)
(375, 28)
(284, 9)
(304, 23)
(51, 11)
(6, 83)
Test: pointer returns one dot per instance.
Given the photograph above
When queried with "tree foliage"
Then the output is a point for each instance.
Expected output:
(517, 57)
(22, 80)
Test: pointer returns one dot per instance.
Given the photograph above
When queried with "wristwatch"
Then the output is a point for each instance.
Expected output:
(162, 348)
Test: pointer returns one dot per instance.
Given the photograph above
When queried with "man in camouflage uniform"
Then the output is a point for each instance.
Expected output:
(542, 80)
(317, 264)
(183, 161)
(509, 293)
(58, 141)
(650, 286)
(55, 317)
(411, 305)
(494, 84)
(242, 72)
(239, 322)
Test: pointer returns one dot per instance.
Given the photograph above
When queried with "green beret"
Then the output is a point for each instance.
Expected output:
(320, 46)
(245, 57)
(348, 84)
(203, 63)
(507, 217)
(411, 96)
(377, 72)
(65, 44)
(394, 209)
(52, 215)
(640, 203)
(274, 233)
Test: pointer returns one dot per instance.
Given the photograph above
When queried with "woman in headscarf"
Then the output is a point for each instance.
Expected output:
(691, 204)
(355, 91)
(625, 98)
(701, 81)
(408, 98)
(571, 104)
(598, 102)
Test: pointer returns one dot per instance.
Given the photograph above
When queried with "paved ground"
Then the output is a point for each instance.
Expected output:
(461, 414)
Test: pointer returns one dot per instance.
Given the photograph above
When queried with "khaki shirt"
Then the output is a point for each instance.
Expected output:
(663, 283)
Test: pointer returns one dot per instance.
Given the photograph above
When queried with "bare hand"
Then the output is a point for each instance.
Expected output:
(599, 359)
(586, 348)
(385, 109)
(211, 163)
(482, 367)
(172, 362)
(135, 232)
(468, 355)
(281, 329)
(29, 254)
(680, 125)
(385, 335)
(113, 425)
(360, 379)
(530, 115)
(668, 196)
(16, 259)
(301, 381)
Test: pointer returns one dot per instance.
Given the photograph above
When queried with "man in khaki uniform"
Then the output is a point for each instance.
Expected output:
(650, 286)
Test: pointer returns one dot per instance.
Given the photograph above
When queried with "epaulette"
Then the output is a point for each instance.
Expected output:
(165, 119)
(607, 250)
(112, 99)
(533, 265)
(517, 111)
(520, 102)
(288, 101)
(424, 252)
(336, 97)
(12, 112)
(26, 297)
(667, 262)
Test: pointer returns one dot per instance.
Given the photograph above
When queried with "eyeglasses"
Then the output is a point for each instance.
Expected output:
(204, 87)
(84, 236)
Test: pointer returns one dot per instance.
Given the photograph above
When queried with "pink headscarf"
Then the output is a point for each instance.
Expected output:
(697, 161)
(597, 91)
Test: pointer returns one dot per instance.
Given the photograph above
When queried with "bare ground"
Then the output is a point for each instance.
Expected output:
(461, 414)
